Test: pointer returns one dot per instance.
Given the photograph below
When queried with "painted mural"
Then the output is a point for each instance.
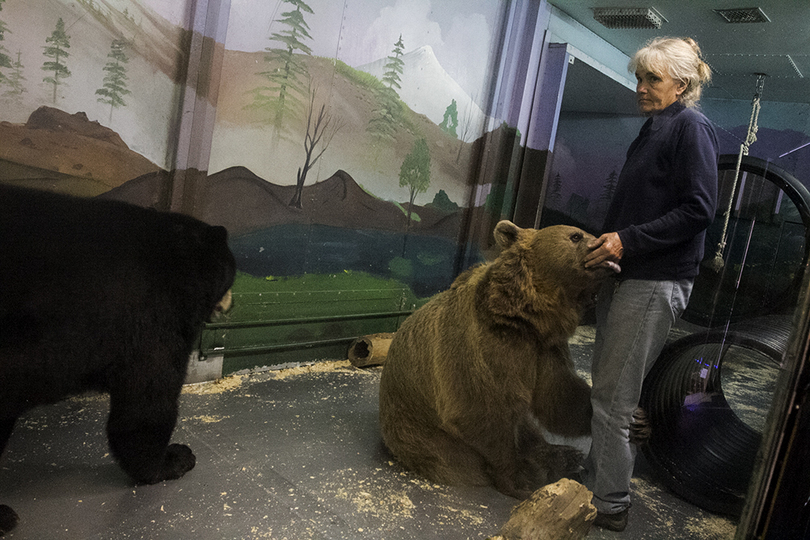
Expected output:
(88, 92)
(343, 147)
(344, 134)
(380, 94)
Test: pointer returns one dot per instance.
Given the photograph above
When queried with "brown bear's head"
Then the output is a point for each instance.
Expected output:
(543, 270)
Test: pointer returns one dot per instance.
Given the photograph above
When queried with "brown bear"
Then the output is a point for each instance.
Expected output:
(472, 375)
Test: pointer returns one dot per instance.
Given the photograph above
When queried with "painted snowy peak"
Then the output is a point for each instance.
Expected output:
(428, 89)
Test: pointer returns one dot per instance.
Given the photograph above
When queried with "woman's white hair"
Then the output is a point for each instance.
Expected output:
(680, 58)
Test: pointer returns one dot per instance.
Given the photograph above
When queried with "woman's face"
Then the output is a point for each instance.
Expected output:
(655, 92)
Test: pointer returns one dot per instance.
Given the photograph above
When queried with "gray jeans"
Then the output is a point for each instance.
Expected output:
(633, 319)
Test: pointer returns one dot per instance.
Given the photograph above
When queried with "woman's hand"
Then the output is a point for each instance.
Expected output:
(606, 248)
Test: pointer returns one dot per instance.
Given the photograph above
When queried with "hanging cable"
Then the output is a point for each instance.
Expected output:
(751, 137)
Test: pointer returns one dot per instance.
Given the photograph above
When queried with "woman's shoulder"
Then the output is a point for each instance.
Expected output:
(692, 124)
(692, 115)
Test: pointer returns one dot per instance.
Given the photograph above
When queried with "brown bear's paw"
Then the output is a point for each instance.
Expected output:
(547, 465)
(640, 429)
(520, 490)
(565, 460)
(8, 519)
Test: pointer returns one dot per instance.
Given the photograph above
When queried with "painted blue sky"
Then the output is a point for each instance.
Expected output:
(460, 32)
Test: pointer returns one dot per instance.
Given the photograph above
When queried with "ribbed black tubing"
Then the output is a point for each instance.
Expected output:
(699, 447)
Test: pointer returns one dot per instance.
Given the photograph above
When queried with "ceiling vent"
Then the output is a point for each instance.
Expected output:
(629, 17)
(743, 15)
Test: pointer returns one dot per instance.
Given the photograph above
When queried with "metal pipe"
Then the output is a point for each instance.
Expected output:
(272, 348)
(330, 318)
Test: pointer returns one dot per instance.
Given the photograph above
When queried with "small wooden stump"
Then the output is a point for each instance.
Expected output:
(370, 350)
(559, 511)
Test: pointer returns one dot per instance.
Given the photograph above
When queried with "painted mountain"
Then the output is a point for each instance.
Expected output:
(428, 89)
(156, 52)
(244, 137)
(68, 153)
(353, 211)
(339, 228)
(244, 203)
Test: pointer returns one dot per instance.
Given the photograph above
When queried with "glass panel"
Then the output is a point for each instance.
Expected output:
(708, 396)
(763, 258)
(711, 391)
(748, 382)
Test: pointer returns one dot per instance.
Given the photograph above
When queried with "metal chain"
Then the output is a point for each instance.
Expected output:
(751, 137)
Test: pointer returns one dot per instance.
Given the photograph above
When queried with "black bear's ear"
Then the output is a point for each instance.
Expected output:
(506, 233)
(217, 233)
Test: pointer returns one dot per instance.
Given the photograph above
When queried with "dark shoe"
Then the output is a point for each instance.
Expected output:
(612, 522)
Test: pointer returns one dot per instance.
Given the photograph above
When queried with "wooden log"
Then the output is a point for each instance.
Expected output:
(370, 350)
(558, 511)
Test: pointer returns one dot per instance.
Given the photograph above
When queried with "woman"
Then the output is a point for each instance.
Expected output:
(665, 198)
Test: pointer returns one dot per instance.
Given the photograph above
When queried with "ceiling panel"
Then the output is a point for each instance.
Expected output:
(736, 52)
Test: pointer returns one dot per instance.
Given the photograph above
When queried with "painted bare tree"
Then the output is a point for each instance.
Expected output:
(320, 131)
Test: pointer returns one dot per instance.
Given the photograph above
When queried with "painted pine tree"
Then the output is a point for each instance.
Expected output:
(56, 49)
(115, 81)
(608, 189)
(450, 120)
(394, 66)
(383, 123)
(386, 116)
(15, 81)
(286, 74)
(5, 59)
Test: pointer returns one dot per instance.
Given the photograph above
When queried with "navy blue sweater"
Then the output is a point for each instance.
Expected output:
(666, 196)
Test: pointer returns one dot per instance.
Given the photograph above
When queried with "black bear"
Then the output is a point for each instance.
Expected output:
(107, 296)
(472, 374)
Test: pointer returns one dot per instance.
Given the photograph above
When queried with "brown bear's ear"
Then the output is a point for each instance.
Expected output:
(511, 291)
(506, 233)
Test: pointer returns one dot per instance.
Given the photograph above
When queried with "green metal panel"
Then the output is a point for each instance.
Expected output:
(298, 319)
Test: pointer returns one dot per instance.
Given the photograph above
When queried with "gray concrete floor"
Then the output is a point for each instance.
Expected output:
(292, 454)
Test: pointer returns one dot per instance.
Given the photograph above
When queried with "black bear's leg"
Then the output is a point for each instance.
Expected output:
(141, 422)
(8, 518)
(6, 427)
